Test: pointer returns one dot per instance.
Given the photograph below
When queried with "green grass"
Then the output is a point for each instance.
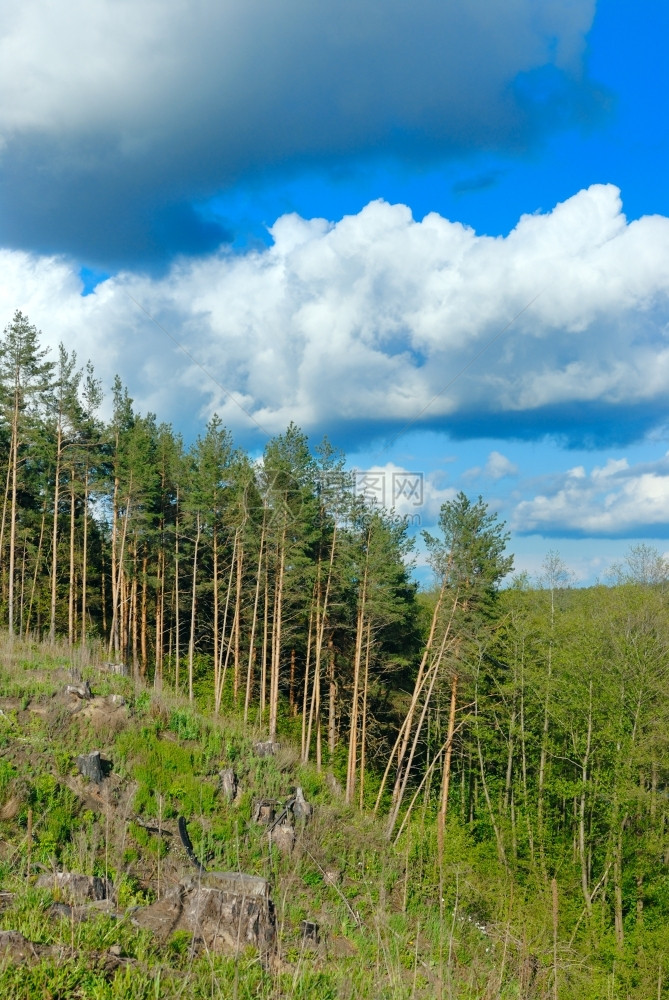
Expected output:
(394, 923)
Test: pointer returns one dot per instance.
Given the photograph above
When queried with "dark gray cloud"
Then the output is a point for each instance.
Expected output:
(116, 116)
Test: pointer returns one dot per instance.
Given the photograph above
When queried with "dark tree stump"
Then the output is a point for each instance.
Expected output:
(264, 811)
(310, 932)
(266, 748)
(90, 766)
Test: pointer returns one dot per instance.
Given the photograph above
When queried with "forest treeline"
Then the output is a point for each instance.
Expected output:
(533, 717)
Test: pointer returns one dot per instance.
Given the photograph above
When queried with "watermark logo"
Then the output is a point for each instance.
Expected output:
(391, 489)
(408, 486)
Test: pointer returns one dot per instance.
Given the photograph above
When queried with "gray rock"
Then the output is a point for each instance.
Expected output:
(73, 888)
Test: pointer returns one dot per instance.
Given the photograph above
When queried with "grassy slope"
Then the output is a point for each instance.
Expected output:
(393, 924)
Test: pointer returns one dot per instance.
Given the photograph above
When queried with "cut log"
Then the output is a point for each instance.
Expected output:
(186, 841)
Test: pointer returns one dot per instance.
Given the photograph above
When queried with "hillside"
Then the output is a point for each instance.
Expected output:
(394, 919)
(381, 930)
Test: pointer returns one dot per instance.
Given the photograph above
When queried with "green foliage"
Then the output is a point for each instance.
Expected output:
(170, 776)
(7, 775)
(185, 724)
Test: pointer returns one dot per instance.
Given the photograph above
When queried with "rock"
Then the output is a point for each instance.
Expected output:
(283, 836)
(264, 811)
(16, 949)
(230, 911)
(332, 876)
(85, 911)
(228, 783)
(161, 917)
(265, 748)
(90, 766)
(73, 888)
(301, 809)
(11, 808)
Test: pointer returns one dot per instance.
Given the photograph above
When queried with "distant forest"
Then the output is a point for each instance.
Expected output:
(534, 717)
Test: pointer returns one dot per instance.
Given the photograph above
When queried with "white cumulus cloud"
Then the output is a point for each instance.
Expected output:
(379, 321)
(614, 499)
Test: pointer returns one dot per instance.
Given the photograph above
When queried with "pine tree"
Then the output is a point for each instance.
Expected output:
(25, 381)
(469, 561)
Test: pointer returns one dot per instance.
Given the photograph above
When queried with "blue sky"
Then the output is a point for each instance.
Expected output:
(438, 233)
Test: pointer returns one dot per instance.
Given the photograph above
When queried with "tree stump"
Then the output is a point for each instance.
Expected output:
(90, 766)
(310, 932)
(82, 691)
(264, 811)
(115, 668)
(228, 783)
(231, 911)
(283, 836)
(227, 910)
(302, 810)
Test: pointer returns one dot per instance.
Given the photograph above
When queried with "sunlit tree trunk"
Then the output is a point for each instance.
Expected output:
(191, 644)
